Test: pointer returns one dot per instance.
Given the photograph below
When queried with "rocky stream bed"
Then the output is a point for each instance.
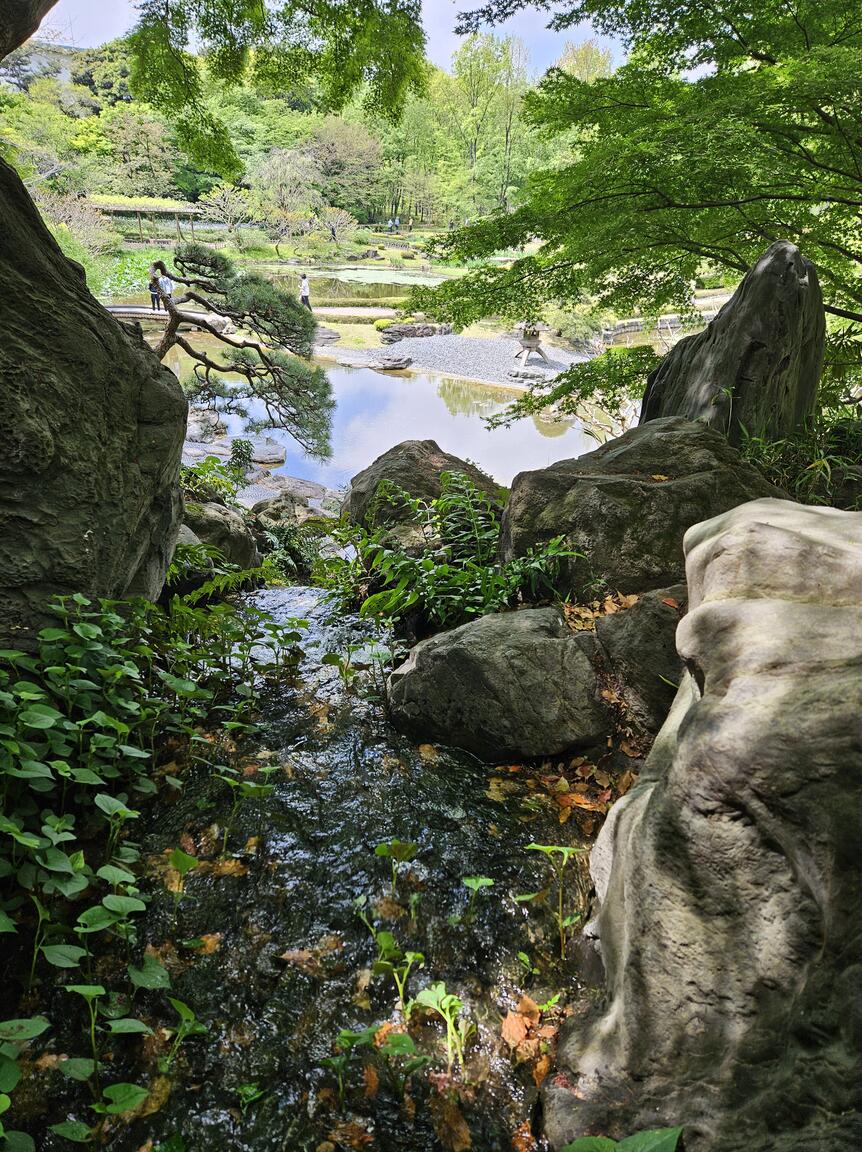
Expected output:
(267, 948)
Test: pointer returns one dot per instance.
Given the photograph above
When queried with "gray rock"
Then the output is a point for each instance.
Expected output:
(638, 652)
(627, 505)
(264, 450)
(518, 684)
(279, 511)
(391, 363)
(758, 362)
(186, 536)
(226, 530)
(326, 335)
(203, 425)
(395, 332)
(415, 466)
(729, 878)
(90, 439)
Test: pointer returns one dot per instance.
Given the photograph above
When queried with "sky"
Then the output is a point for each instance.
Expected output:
(88, 23)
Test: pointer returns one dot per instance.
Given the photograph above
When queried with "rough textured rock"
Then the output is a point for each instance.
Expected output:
(278, 511)
(226, 530)
(415, 466)
(392, 333)
(729, 880)
(637, 649)
(91, 434)
(203, 425)
(390, 363)
(512, 685)
(758, 362)
(627, 505)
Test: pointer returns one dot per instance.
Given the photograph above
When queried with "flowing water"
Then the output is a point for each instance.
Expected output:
(287, 963)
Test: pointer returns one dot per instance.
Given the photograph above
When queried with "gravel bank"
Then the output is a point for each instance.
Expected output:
(487, 359)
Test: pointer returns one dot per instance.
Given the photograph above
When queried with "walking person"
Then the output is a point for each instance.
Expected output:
(166, 287)
(305, 291)
(155, 298)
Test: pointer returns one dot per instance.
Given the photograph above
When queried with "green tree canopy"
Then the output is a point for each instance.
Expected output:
(376, 45)
(730, 126)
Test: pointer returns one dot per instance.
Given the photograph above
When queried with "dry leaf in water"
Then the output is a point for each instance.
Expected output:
(514, 1029)
(449, 1123)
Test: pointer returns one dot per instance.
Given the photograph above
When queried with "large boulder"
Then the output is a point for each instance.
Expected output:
(91, 434)
(224, 529)
(758, 363)
(625, 507)
(728, 879)
(514, 685)
(414, 465)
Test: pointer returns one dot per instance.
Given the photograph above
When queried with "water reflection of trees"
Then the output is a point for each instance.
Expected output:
(462, 398)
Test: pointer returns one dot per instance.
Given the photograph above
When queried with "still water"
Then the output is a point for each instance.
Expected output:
(376, 410)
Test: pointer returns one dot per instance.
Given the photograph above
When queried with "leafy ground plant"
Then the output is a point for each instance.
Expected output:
(448, 1007)
(656, 1140)
(454, 576)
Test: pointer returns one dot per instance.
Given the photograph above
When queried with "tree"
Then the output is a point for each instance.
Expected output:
(270, 352)
(372, 45)
(338, 223)
(586, 61)
(226, 204)
(286, 194)
(730, 126)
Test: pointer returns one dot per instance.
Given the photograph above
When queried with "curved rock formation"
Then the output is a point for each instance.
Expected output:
(626, 506)
(729, 879)
(91, 436)
(758, 362)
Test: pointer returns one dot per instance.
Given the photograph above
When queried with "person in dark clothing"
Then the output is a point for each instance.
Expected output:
(154, 292)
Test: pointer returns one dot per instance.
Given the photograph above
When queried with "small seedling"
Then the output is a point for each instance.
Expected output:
(399, 967)
(558, 856)
(402, 1059)
(397, 852)
(249, 1094)
(242, 790)
(182, 863)
(90, 993)
(448, 1007)
(475, 884)
(345, 1044)
(527, 964)
(189, 1025)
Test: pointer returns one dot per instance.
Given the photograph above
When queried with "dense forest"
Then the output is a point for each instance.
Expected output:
(459, 150)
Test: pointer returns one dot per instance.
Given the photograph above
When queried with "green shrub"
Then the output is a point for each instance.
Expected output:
(455, 577)
(815, 466)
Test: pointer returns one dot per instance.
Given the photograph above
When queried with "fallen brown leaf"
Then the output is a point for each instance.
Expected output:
(671, 603)
(514, 1029)
(541, 1069)
(523, 1139)
(449, 1123)
(371, 1080)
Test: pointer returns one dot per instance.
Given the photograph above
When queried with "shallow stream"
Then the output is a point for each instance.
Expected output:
(268, 950)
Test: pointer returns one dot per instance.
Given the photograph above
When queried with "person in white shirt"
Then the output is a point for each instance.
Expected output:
(166, 284)
(305, 291)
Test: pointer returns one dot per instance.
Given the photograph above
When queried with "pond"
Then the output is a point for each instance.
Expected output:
(376, 410)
